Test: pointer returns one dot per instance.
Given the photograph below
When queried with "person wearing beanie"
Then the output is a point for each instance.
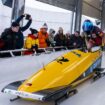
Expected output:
(15, 24)
(32, 42)
(51, 37)
(13, 36)
(43, 36)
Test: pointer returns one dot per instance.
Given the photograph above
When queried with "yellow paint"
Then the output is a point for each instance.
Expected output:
(57, 74)
(82, 80)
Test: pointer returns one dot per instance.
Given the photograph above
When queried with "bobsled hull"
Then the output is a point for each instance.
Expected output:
(56, 78)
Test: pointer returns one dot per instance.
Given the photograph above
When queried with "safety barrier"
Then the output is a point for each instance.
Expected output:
(45, 50)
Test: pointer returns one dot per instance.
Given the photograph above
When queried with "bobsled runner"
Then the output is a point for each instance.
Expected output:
(58, 78)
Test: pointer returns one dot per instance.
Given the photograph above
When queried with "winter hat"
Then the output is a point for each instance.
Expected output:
(15, 24)
(52, 31)
(45, 26)
(33, 31)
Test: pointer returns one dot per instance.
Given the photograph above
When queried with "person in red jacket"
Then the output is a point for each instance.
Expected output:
(1, 44)
(31, 42)
(95, 40)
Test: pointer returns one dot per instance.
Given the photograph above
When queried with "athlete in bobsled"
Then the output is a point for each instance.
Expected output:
(93, 34)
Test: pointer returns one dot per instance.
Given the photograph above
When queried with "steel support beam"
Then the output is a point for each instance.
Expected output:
(103, 16)
(78, 14)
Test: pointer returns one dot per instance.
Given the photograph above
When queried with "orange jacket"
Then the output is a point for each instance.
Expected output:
(42, 39)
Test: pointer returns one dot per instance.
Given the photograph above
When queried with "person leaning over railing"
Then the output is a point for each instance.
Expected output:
(1, 44)
(43, 37)
(76, 40)
(51, 37)
(31, 42)
(13, 36)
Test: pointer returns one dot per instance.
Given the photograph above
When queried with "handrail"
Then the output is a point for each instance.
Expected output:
(46, 50)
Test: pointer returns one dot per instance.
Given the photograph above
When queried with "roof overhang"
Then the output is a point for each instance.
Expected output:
(91, 8)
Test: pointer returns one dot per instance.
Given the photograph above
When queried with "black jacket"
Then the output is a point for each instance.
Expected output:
(60, 40)
(77, 40)
(12, 39)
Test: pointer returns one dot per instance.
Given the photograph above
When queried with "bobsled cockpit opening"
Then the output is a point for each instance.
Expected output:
(92, 50)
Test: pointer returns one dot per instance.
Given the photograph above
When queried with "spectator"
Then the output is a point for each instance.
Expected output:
(76, 40)
(51, 37)
(13, 36)
(32, 42)
(60, 38)
(68, 39)
(83, 37)
(43, 36)
(1, 44)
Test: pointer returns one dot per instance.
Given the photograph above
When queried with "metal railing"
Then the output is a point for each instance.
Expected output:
(45, 50)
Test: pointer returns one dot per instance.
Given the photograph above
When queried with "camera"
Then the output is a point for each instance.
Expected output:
(27, 16)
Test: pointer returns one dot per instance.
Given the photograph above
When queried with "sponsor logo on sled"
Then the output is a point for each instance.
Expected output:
(24, 94)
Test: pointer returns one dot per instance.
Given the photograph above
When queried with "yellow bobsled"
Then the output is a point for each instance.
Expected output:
(56, 78)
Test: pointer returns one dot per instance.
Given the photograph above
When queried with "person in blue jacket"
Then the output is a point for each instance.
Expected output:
(13, 37)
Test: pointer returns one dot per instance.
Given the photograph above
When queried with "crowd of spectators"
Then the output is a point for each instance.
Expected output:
(13, 38)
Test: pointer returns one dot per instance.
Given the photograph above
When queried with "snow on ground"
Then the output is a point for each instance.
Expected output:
(19, 68)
